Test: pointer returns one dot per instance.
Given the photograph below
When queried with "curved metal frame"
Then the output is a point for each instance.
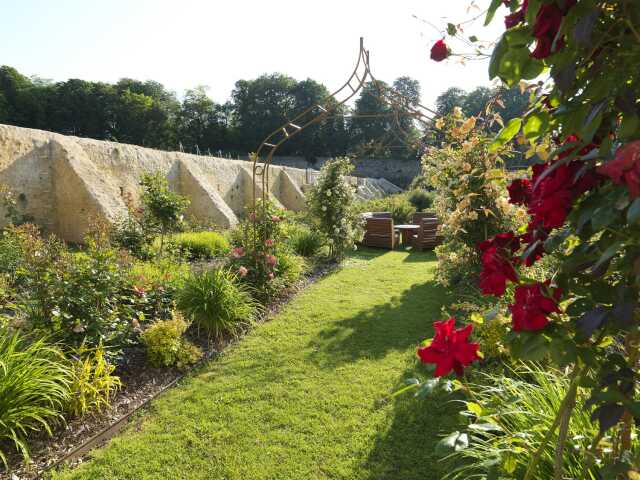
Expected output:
(400, 105)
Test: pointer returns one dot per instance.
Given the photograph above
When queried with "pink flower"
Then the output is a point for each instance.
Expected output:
(252, 216)
(138, 290)
(271, 260)
(270, 275)
(237, 252)
(275, 218)
(269, 242)
(242, 271)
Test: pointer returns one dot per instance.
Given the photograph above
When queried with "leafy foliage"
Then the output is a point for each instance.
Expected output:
(304, 241)
(216, 302)
(201, 245)
(166, 345)
(93, 383)
(34, 389)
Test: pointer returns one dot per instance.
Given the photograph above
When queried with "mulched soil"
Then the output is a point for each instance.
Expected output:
(141, 383)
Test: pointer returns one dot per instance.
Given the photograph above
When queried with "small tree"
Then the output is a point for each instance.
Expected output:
(163, 208)
(331, 203)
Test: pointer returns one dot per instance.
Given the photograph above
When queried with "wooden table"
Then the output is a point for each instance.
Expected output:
(406, 231)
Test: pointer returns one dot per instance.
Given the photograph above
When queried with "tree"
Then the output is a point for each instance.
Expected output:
(201, 122)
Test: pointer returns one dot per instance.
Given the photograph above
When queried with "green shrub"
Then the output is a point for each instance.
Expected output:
(216, 302)
(165, 343)
(201, 245)
(304, 241)
(420, 183)
(93, 383)
(421, 199)
(290, 267)
(398, 205)
(34, 389)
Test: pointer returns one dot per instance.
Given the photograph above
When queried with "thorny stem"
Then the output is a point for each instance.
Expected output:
(571, 392)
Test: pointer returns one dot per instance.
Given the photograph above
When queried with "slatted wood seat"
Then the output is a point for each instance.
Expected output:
(379, 233)
(427, 237)
(381, 215)
(418, 216)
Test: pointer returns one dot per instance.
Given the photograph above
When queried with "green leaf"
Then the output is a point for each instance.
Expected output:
(473, 38)
(633, 214)
(475, 408)
(510, 130)
(629, 126)
(485, 427)
(496, 57)
(453, 442)
(530, 346)
(491, 11)
(451, 29)
(608, 254)
(536, 125)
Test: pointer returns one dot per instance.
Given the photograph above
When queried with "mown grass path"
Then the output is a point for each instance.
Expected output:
(306, 395)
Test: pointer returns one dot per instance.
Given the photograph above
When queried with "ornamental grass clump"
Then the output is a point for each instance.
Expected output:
(35, 381)
(216, 302)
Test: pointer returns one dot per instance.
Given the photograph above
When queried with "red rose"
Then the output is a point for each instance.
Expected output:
(543, 48)
(548, 21)
(533, 304)
(519, 191)
(516, 17)
(439, 51)
(535, 234)
(624, 169)
(450, 349)
(497, 263)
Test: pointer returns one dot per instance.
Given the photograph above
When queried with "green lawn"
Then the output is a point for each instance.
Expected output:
(306, 395)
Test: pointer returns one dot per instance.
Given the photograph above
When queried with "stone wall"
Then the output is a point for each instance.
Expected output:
(398, 171)
(65, 182)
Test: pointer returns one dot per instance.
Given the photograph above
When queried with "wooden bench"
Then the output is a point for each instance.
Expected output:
(379, 233)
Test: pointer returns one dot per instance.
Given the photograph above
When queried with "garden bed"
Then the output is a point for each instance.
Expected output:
(141, 384)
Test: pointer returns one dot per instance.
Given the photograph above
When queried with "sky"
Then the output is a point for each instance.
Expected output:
(187, 43)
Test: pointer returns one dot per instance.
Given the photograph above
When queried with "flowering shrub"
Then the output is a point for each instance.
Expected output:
(470, 198)
(583, 204)
(331, 204)
(258, 243)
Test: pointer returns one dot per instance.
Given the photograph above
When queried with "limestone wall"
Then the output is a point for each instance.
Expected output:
(64, 182)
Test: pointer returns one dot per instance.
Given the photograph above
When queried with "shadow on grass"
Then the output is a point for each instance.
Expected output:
(406, 450)
(396, 325)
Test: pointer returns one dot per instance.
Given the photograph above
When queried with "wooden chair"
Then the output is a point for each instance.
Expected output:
(379, 233)
(419, 216)
(381, 215)
(427, 237)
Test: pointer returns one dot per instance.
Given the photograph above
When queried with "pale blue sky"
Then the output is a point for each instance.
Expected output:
(196, 42)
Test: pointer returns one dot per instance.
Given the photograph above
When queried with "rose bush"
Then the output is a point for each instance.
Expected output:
(582, 199)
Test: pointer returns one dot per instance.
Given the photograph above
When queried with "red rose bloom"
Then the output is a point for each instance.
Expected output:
(520, 191)
(497, 263)
(533, 304)
(624, 169)
(450, 349)
(439, 51)
(516, 17)
(535, 234)
(548, 21)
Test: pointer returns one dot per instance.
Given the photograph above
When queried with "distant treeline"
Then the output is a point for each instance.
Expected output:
(147, 114)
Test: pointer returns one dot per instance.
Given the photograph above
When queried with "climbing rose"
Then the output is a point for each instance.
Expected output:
(275, 218)
(497, 263)
(450, 349)
(624, 169)
(269, 242)
(519, 191)
(533, 305)
(237, 252)
(545, 29)
(270, 275)
(439, 51)
(242, 271)
(536, 234)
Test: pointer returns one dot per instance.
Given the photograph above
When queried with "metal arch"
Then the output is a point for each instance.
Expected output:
(400, 105)
(308, 117)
